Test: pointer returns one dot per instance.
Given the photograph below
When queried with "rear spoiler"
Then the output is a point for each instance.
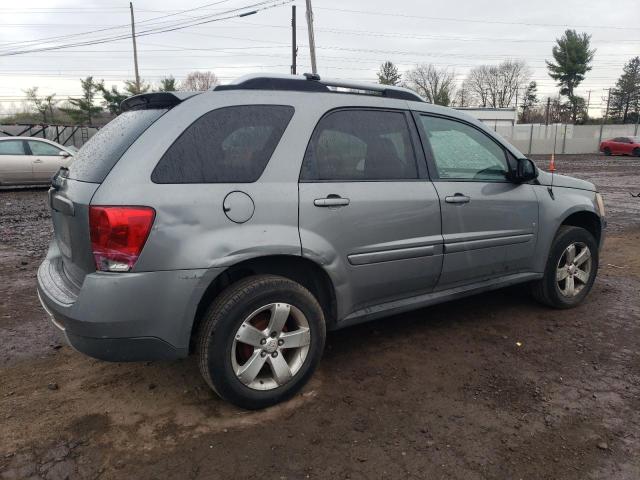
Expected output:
(146, 101)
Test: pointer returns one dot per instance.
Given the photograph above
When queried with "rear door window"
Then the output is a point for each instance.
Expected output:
(227, 145)
(360, 145)
(99, 155)
(42, 148)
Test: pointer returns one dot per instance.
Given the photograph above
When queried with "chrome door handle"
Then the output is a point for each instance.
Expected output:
(331, 201)
(458, 198)
(37, 160)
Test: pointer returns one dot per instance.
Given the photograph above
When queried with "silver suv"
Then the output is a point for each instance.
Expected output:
(241, 223)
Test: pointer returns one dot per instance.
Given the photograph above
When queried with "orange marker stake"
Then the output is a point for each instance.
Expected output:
(552, 164)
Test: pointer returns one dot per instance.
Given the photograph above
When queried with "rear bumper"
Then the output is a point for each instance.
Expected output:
(123, 316)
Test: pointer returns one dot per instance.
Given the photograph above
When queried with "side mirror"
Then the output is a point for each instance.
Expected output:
(525, 171)
(64, 154)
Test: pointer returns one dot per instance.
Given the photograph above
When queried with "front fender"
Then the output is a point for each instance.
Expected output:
(554, 211)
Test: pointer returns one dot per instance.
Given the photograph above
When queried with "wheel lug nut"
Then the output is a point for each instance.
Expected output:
(274, 354)
(274, 334)
(280, 342)
(263, 341)
(263, 354)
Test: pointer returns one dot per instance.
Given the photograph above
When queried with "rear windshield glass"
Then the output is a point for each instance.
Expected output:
(98, 156)
(227, 145)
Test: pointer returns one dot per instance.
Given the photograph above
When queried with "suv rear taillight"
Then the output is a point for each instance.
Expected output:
(118, 235)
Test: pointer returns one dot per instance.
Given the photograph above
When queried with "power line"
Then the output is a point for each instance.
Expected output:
(260, 6)
(115, 27)
(420, 36)
(466, 20)
(497, 56)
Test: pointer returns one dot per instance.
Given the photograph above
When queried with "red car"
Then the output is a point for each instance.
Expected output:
(621, 146)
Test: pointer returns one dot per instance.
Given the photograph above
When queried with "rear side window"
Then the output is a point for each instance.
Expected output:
(227, 145)
(12, 147)
(360, 145)
(98, 156)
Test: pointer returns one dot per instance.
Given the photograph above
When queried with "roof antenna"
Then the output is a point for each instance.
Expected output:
(552, 163)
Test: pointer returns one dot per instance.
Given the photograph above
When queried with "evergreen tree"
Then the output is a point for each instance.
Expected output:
(388, 74)
(83, 109)
(168, 84)
(132, 88)
(112, 98)
(529, 101)
(625, 97)
(573, 58)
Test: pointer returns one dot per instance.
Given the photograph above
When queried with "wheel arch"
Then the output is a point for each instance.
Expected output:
(299, 269)
(586, 219)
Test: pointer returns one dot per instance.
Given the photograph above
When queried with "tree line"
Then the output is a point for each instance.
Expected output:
(506, 84)
(98, 104)
(509, 84)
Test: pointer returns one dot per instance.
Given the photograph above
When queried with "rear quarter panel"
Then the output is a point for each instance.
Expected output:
(191, 230)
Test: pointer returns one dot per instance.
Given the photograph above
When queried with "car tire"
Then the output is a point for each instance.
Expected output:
(268, 312)
(607, 151)
(568, 277)
(636, 152)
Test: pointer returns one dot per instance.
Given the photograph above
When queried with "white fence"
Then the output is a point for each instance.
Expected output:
(533, 138)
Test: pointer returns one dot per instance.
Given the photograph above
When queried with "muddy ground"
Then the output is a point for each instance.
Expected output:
(491, 387)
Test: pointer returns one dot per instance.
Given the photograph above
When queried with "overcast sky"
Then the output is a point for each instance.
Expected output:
(352, 39)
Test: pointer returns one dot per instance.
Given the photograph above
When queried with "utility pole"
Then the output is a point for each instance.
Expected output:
(135, 49)
(588, 101)
(606, 114)
(546, 114)
(312, 41)
(294, 46)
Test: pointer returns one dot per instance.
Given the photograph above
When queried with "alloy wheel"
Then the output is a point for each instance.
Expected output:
(270, 346)
(574, 269)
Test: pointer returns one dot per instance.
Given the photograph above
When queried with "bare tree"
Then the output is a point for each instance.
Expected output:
(478, 82)
(199, 81)
(559, 111)
(435, 84)
(464, 95)
(497, 85)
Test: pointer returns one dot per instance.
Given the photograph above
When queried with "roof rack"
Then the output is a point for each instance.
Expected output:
(313, 83)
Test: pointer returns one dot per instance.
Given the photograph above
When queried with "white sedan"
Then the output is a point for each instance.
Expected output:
(31, 161)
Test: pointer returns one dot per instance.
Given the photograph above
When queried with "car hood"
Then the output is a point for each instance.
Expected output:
(546, 178)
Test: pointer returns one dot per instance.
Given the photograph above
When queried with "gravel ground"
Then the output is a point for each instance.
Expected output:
(490, 387)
